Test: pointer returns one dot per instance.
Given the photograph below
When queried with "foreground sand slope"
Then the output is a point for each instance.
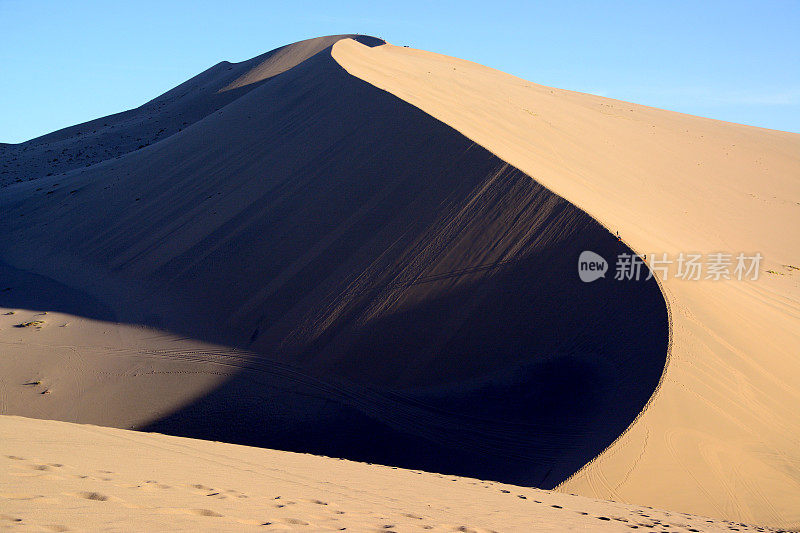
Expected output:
(721, 437)
(130, 481)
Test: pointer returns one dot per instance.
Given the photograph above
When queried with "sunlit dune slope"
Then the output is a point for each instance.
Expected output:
(721, 436)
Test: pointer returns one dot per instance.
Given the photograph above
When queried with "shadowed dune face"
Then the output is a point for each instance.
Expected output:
(412, 299)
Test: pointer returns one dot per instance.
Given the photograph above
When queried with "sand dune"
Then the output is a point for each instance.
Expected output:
(396, 293)
(718, 438)
(281, 253)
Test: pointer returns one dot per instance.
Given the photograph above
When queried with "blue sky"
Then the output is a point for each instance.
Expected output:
(66, 62)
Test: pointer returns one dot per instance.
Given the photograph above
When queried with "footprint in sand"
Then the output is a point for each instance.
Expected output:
(290, 521)
(201, 489)
(151, 484)
(464, 529)
(95, 496)
(295, 522)
(205, 512)
(285, 503)
(19, 521)
(22, 497)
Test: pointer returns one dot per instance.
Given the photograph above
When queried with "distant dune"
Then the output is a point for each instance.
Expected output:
(106, 138)
(357, 250)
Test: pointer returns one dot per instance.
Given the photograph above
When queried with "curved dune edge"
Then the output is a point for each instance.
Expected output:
(151, 481)
(379, 247)
(717, 438)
